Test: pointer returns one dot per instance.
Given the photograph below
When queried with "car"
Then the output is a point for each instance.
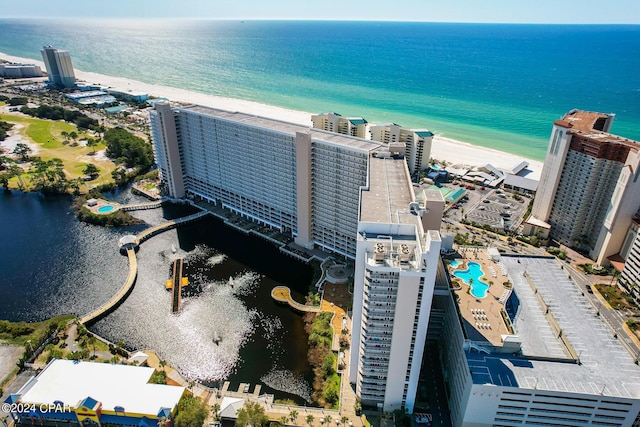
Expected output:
(505, 214)
(486, 201)
(455, 207)
(482, 208)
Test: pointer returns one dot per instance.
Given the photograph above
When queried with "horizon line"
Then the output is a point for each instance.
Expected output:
(408, 21)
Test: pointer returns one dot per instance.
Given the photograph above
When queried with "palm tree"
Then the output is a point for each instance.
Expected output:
(283, 420)
(328, 419)
(344, 420)
(92, 342)
(293, 415)
(215, 408)
(309, 419)
(163, 364)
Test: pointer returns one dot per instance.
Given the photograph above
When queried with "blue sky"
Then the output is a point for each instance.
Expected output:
(512, 11)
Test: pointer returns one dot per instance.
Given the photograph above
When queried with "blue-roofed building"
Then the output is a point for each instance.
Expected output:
(85, 394)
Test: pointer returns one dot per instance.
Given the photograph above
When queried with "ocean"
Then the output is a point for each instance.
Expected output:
(494, 85)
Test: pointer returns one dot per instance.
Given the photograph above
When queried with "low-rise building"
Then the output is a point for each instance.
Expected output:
(19, 71)
(74, 393)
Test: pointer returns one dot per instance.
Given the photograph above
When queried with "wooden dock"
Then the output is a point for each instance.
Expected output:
(176, 283)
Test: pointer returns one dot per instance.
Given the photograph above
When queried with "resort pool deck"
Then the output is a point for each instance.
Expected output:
(481, 303)
(101, 206)
(471, 276)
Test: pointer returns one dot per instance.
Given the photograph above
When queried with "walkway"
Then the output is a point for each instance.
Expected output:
(120, 296)
(283, 294)
(133, 266)
(150, 232)
(141, 206)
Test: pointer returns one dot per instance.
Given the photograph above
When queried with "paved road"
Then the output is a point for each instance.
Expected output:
(614, 318)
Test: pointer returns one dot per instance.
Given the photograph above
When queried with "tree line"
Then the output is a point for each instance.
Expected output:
(58, 113)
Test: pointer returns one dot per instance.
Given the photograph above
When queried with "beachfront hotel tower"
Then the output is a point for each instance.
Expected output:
(414, 143)
(328, 190)
(334, 122)
(59, 67)
(589, 190)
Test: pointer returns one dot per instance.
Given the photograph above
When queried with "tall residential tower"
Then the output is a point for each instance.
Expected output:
(590, 187)
(59, 67)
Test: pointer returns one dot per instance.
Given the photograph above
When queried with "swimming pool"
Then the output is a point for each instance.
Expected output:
(455, 263)
(105, 209)
(474, 271)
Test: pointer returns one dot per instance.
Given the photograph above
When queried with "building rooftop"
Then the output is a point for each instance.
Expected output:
(286, 127)
(389, 194)
(522, 182)
(592, 124)
(71, 382)
(605, 366)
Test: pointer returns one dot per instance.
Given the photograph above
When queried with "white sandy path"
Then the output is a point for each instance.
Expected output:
(453, 151)
(14, 138)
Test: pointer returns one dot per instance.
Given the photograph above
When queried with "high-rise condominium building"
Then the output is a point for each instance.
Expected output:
(334, 191)
(414, 143)
(59, 67)
(590, 187)
(396, 265)
(630, 253)
(333, 122)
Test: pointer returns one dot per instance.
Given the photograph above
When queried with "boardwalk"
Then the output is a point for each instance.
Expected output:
(283, 294)
(133, 266)
(152, 231)
(120, 296)
(141, 206)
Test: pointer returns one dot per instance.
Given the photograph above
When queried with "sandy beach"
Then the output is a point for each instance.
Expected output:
(453, 151)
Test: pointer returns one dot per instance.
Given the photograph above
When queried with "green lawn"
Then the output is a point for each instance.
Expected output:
(48, 135)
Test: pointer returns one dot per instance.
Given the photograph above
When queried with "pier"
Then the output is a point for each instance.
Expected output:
(283, 294)
(176, 283)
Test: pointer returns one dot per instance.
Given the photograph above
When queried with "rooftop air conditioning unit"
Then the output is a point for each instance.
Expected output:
(405, 253)
(379, 252)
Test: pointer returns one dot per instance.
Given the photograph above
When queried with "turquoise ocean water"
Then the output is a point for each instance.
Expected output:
(499, 86)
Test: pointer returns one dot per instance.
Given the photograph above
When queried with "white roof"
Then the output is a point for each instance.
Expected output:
(139, 357)
(230, 406)
(70, 382)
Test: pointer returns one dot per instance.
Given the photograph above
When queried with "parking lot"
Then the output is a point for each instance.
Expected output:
(497, 209)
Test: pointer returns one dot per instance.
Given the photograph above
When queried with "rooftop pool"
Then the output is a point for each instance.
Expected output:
(471, 276)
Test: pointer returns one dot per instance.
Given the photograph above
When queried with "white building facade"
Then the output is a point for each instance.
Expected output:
(19, 71)
(301, 181)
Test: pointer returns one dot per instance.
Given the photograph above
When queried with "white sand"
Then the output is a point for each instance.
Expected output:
(15, 138)
(450, 150)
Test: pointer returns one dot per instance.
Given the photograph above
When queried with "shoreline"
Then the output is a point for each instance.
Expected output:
(444, 149)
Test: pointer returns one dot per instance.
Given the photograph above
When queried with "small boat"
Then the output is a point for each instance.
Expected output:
(216, 338)
(173, 249)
